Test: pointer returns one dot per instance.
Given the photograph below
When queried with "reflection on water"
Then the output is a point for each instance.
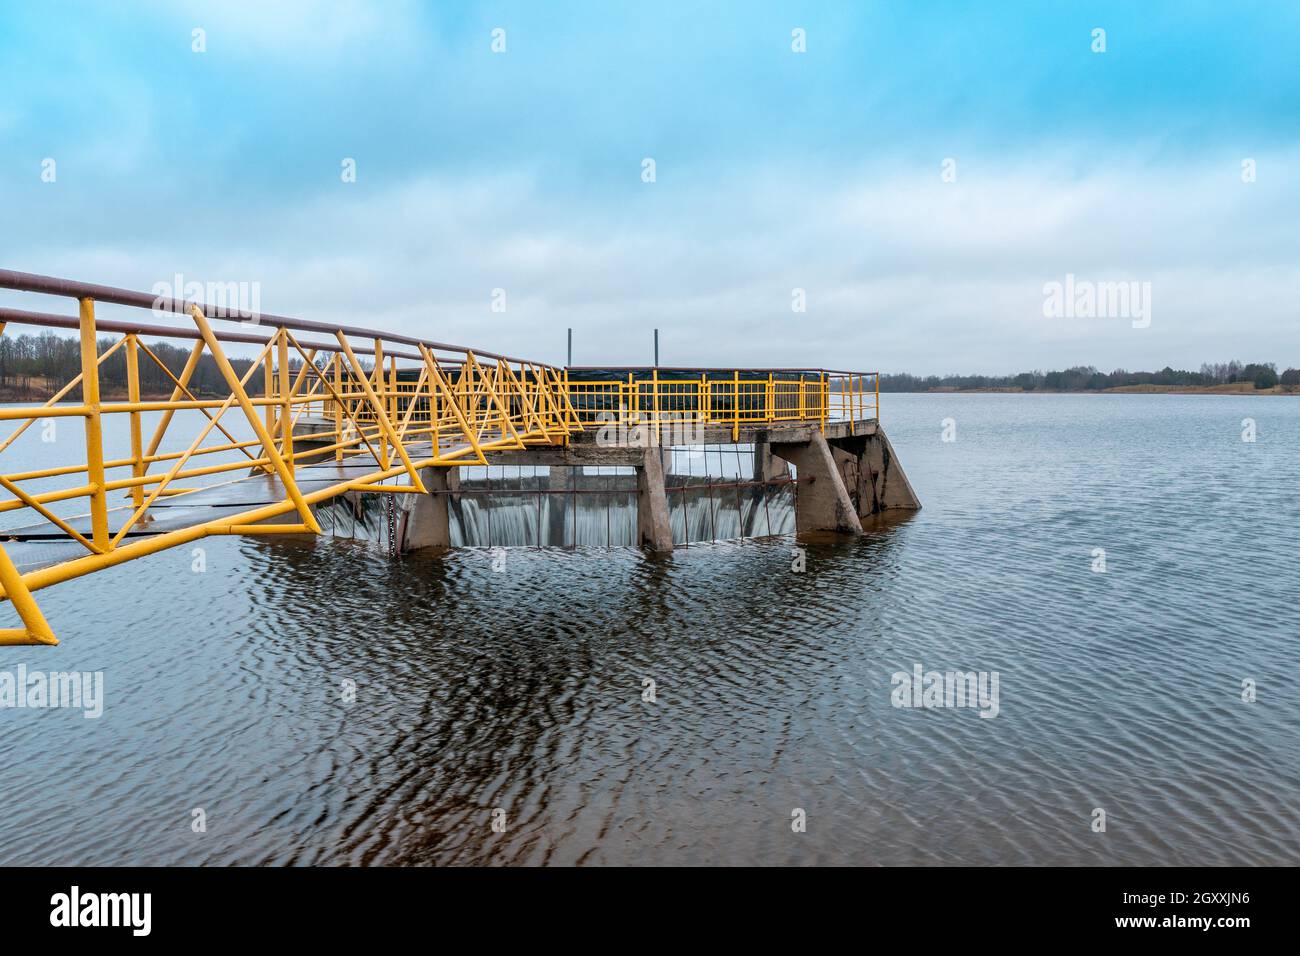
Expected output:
(521, 688)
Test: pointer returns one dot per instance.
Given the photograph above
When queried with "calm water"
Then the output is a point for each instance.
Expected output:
(522, 689)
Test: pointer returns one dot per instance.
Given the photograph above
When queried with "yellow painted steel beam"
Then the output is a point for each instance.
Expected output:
(142, 508)
(48, 515)
(268, 387)
(544, 398)
(376, 387)
(341, 403)
(380, 413)
(180, 388)
(561, 386)
(65, 411)
(436, 378)
(237, 387)
(286, 410)
(133, 394)
(94, 428)
(382, 489)
(338, 402)
(170, 476)
(411, 405)
(486, 408)
(35, 629)
(494, 395)
(79, 567)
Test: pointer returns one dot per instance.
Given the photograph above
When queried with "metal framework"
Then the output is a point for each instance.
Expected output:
(665, 399)
(408, 405)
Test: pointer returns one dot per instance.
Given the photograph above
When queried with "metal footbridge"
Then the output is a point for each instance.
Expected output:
(292, 413)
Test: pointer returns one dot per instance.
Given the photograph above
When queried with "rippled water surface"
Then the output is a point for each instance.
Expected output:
(522, 690)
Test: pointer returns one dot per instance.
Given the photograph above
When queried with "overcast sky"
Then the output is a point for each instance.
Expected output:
(775, 170)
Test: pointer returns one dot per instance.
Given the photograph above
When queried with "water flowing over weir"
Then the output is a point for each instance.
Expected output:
(713, 495)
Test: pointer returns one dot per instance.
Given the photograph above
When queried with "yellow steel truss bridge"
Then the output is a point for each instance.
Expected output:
(156, 472)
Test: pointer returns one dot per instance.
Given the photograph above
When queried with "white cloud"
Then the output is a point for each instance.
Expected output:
(902, 272)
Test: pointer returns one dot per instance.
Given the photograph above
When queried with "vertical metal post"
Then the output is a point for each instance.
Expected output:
(568, 401)
(435, 417)
(286, 409)
(570, 359)
(338, 405)
(133, 396)
(466, 383)
(392, 385)
(826, 400)
(656, 348)
(268, 384)
(735, 404)
(94, 428)
(379, 405)
(654, 392)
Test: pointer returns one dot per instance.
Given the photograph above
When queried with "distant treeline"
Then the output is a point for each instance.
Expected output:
(1087, 378)
(36, 365)
(33, 366)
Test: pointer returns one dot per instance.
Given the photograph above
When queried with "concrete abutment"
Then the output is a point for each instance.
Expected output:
(845, 478)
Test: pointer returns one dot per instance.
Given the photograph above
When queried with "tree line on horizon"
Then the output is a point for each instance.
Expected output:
(31, 364)
(34, 364)
(1082, 378)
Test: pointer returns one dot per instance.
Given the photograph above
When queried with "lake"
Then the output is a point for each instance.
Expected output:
(317, 703)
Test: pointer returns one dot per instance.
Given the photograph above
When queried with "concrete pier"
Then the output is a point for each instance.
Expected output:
(822, 502)
(654, 531)
(559, 480)
(427, 517)
(872, 474)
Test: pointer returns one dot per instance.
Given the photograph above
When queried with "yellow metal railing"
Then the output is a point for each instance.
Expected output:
(406, 406)
(735, 399)
(312, 392)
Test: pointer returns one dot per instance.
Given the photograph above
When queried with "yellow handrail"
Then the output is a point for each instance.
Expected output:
(419, 405)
